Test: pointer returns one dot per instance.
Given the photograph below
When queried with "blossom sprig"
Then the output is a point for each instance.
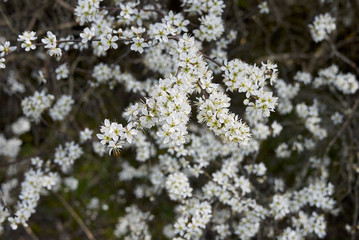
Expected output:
(214, 178)
(193, 221)
(114, 135)
(102, 38)
(35, 181)
(312, 119)
(346, 83)
(87, 11)
(215, 113)
(252, 80)
(168, 106)
(39, 178)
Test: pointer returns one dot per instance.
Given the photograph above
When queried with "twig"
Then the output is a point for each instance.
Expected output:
(65, 5)
(343, 57)
(283, 57)
(356, 208)
(31, 233)
(6, 206)
(210, 59)
(300, 177)
(36, 15)
(76, 217)
(153, 10)
(7, 21)
(341, 130)
(203, 90)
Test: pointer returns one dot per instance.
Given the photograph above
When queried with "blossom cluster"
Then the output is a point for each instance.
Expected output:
(134, 224)
(13, 84)
(61, 108)
(9, 147)
(242, 77)
(65, 156)
(322, 26)
(21, 126)
(35, 105)
(35, 181)
(27, 39)
(178, 186)
(346, 83)
(50, 42)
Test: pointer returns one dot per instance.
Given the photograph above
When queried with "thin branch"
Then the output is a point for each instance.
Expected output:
(7, 21)
(343, 57)
(356, 204)
(344, 126)
(283, 57)
(65, 5)
(31, 233)
(211, 59)
(204, 92)
(6, 207)
(76, 217)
